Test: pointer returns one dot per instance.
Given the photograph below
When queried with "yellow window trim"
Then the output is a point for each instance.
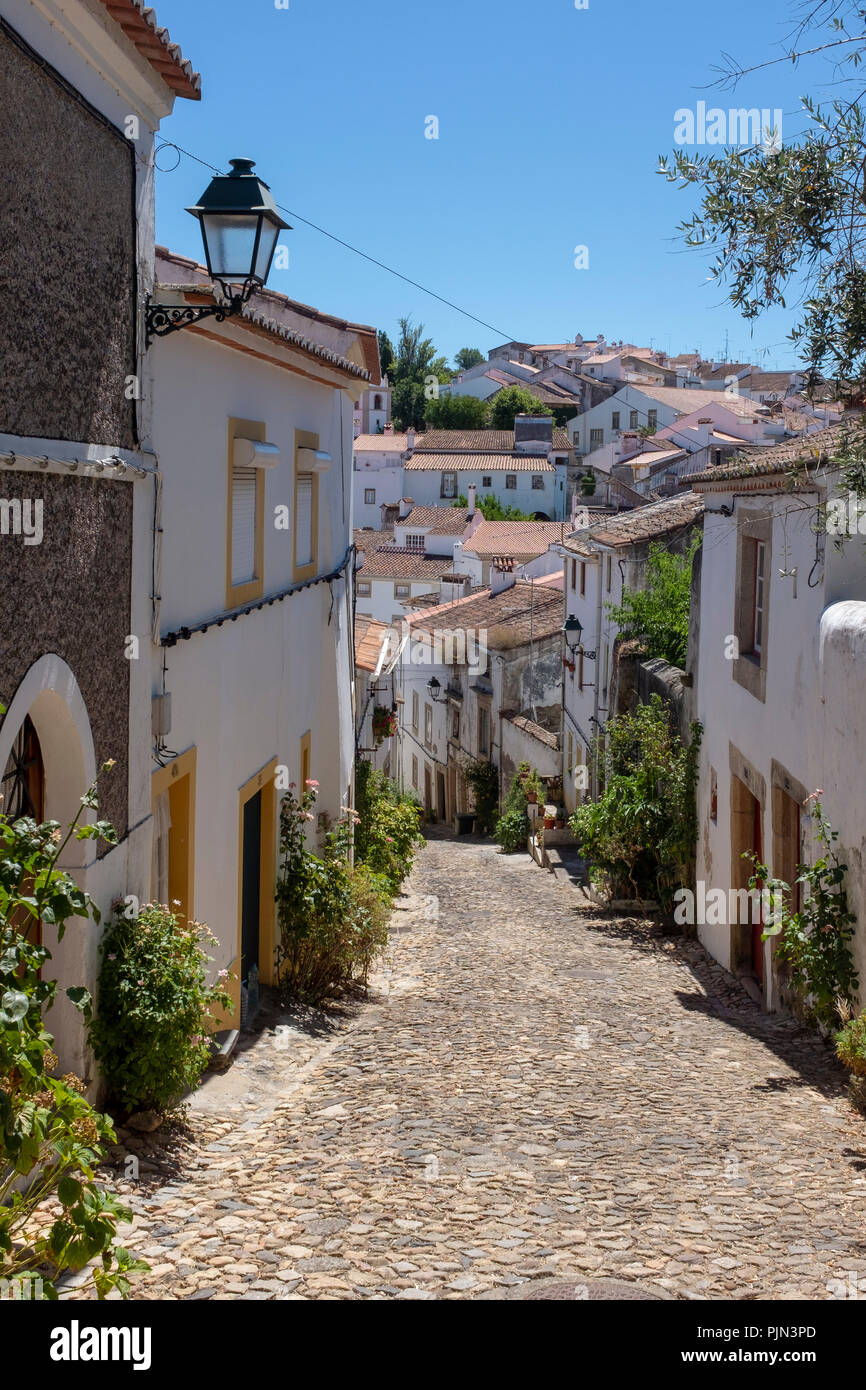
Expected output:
(305, 440)
(265, 782)
(305, 759)
(245, 593)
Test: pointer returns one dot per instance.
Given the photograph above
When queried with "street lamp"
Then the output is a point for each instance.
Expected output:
(572, 631)
(434, 686)
(239, 228)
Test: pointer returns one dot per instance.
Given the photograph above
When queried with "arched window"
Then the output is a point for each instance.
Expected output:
(24, 776)
(377, 402)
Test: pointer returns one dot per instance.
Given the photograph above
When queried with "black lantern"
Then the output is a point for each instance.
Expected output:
(434, 686)
(239, 227)
(573, 629)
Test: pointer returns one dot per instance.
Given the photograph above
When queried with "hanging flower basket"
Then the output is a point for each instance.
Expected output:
(384, 723)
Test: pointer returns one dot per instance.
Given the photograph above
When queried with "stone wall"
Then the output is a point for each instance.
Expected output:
(67, 260)
(71, 595)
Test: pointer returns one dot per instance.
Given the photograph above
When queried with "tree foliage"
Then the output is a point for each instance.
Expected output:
(658, 614)
(492, 509)
(790, 221)
(512, 401)
(456, 413)
(468, 357)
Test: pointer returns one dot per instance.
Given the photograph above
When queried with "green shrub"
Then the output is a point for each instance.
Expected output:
(483, 778)
(641, 831)
(387, 831)
(512, 827)
(155, 1008)
(51, 1137)
(851, 1045)
(658, 614)
(814, 943)
(333, 917)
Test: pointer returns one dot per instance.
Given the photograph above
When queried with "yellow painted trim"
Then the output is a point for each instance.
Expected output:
(265, 782)
(245, 593)
(163, 780)
(305, 440)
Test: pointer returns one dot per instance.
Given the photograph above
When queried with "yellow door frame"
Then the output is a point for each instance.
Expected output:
(264, 782)
(165, 779)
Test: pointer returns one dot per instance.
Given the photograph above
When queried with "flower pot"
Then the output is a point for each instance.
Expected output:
(549, 822)
(532, 798)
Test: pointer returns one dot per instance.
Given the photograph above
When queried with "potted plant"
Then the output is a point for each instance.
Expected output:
(561, 814)
(384, 723)
(532, 787)
(549, 819)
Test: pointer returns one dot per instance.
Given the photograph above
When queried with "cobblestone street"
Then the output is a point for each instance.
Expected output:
(532, 1090)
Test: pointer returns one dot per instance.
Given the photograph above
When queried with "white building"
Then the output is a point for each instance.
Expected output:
(74, 438)
(253, 637)
(526, 468)
(377, 478)
(780, 674)
(372, 413)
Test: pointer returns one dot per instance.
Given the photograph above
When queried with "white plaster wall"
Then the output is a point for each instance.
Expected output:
(425, 486)
(388, 483)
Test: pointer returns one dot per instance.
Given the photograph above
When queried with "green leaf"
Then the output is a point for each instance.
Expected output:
(69, 1190)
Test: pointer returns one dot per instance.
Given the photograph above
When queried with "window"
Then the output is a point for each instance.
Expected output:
(401, 590)
(652, 419)
(511, 481)
(537, 482)
(415, 542)
(486, 480)
(377, 402)
(245, 519)
(455, 725)
(580, 670)
(306, 511)
(609, 574)
(632, 420)
(415, 710)
(583, 578)
(449, 485)
(483, 731)
(614, 420)
(369, 496)
(574, 574)
(596, 439)
(415, 773)
(428, 724)
(364, 588)
(759, 608)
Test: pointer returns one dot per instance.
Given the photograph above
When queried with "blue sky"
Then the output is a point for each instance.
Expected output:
(550, 124)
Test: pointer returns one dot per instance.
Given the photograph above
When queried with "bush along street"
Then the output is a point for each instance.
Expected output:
(54, 1215)
(333, 909)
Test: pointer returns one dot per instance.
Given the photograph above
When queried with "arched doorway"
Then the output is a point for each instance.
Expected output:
(23, 783)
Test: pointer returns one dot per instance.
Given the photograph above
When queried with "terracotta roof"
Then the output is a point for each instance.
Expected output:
(809, 449)
(529, 726)
(370, 637)
(687, 402)
(479, 463)
(725, 369)
(384, 443)
(479, 441)
(654, 457)
(400, 562)
(507, 617)
(649, 522)
(366, 538)
(441, 521)
(138, 22)
(199, 285)
(521, 540)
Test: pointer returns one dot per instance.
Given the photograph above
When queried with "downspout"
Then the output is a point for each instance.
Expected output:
(597, 679)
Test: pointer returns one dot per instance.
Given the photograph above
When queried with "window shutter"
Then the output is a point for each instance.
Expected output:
(304, 520)
(243, 525)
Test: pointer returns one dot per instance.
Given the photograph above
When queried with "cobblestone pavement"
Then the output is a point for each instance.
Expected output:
(531, 1090)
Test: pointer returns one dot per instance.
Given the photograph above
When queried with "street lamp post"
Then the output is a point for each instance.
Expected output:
(239, 227)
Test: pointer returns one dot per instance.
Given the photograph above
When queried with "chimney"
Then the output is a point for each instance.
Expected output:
(410, 438)
(502, 575)
(406, 505)
(471, 512)
(454, 586)
(629, 444)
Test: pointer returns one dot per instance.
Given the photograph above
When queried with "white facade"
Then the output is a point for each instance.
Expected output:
(783, 722)
(265, 698)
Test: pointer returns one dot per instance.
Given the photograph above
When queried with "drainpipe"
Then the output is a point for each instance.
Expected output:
(597, 683)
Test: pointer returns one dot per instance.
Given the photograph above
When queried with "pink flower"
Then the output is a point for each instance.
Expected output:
(222, 974)
(112, 957)
(310, 782)
(292, 784)
(309, 816)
